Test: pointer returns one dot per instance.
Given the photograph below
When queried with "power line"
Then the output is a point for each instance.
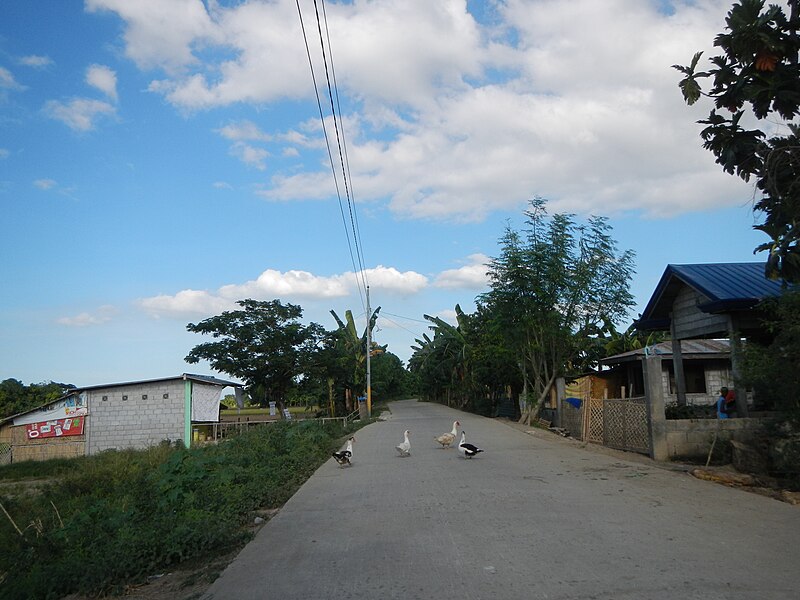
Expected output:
(356, 269)
(342, 144)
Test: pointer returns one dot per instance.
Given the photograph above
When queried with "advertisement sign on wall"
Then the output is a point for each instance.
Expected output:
(55, 428)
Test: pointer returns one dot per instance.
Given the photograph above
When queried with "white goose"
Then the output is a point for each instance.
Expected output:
(343, 457)
(448, 438)
(467, 450)
(405, 448)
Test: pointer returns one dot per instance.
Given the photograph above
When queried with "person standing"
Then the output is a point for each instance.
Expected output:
(721, 414)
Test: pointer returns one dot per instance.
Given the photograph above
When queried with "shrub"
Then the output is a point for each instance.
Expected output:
(117, 517)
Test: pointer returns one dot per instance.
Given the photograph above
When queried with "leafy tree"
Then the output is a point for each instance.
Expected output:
(15, 397)
(390, 379)
(552, 291)
(772, 365)
(265, 345)
(353, 350)
(756, 75)
(446, 361)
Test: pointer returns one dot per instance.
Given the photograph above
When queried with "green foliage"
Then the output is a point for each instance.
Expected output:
(554, 288)
(772, 366)
(15, 397)
(117, 517)
(264, 345)
(757, 75)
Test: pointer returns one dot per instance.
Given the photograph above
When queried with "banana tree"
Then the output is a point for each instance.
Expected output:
(354, 350)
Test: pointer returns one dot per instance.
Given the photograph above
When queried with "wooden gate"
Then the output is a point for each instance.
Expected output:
(625, 425)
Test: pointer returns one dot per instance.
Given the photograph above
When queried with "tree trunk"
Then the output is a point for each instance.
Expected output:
(532, 412)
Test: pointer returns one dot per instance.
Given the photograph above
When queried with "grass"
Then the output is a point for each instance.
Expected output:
(110, 520)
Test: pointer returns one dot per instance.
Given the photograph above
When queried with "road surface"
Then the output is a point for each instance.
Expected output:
(534, 516)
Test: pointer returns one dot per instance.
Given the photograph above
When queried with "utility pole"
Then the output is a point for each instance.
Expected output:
(369, 352)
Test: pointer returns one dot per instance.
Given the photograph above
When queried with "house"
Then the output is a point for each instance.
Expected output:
(706, 368)
(135, 414)
(708, 301)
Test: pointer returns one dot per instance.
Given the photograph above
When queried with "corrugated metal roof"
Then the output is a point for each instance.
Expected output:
(728, 287)
(729, 281)
(191, 376)
(690, 350)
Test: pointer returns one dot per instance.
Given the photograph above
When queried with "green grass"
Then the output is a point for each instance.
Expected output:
(295, 410)
(109, 520)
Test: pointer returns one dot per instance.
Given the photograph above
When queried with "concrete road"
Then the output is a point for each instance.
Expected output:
(535, 516)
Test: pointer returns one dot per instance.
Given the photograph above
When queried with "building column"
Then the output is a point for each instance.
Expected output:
(738, 386)
(187, 412)
(677, 366)
(654, 400)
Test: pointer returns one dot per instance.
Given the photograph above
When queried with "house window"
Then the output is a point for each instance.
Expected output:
(125, 397)
(105, 398)
(144, 396)
(165, 396)
(695, 376)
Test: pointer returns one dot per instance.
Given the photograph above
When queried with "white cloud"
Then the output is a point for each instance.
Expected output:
(471, 276)
(186, 303)
(162, 34)
(243, 131)
(7, 80)
(102, 315)
(290, 286)
(79, 114)
(222, 185)
(4, 153)
(250, 155)
(104, 79)
(45, 184)
(450, 118)
(35, 61)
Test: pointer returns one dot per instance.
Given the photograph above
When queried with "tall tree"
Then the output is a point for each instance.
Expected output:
(552, 290)
(16, 397)
(264, 344)
(353, 349)
(757, 75)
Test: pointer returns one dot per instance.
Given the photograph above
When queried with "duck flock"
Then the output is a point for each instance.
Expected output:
(467, 450)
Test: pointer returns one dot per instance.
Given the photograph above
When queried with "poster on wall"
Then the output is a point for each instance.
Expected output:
(73, 406)
(55, 428)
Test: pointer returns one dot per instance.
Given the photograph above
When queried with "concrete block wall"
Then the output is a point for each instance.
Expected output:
(692, 438)
(121, 417)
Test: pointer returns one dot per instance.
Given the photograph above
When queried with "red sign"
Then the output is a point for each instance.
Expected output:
(55, 428)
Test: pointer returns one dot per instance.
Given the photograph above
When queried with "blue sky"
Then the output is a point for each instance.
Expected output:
(161, 159)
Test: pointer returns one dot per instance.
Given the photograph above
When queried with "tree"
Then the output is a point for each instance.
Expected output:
(265, 345)
(353, 349)
(551, 292)
(757, 75)
(771, 365)
(15, 397)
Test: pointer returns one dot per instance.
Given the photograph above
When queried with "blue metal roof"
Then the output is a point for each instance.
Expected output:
(728, 287)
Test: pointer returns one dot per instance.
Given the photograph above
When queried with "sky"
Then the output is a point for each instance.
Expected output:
(162, 159)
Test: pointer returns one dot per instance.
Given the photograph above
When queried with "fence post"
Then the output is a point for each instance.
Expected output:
(654, 399)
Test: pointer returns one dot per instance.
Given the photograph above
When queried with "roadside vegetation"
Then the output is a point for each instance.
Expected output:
(106, 521)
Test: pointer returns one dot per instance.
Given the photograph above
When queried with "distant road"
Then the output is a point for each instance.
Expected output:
(532, 517)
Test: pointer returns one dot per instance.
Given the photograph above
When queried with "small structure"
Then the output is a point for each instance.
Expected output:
(706, 368)
(708, 301)
(135, 414)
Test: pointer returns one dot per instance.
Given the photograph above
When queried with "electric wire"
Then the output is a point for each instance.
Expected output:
(354, 214)
(330, 153)
(339, 138)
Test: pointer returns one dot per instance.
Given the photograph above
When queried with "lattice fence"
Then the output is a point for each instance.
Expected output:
(594, 420)
(572, 419)
(5, 453)
(625, 425)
